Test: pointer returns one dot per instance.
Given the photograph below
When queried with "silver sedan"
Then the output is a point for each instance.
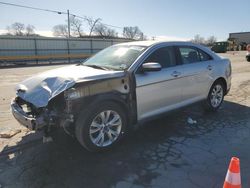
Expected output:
(120, 87)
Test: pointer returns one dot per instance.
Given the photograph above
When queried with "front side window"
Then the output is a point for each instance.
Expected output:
(116, 57)
(164, 56)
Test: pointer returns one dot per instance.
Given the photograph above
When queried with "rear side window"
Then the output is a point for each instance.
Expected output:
(193, 55)
(165, 56)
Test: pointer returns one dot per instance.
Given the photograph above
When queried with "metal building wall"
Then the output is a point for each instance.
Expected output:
(241, 37)
(12, 46)
(43, 46)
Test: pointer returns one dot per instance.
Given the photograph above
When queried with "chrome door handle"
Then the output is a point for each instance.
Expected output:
(176, 74)
(209, 67)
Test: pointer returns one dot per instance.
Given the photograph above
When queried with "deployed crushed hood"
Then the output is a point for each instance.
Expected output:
(40, 89)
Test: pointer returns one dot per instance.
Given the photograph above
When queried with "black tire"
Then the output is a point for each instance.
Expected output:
(248, 58)
(209, 106)
(85, 118)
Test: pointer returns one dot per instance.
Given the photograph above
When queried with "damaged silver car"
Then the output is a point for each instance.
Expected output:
(99, 100)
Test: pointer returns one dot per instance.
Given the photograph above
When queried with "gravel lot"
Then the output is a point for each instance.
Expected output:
(167, 152)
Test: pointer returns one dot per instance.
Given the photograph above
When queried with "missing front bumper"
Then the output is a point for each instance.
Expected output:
(25, 119)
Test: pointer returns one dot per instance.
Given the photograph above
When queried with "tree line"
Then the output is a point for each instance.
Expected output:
(79, 28)
(94, 28)
(201, 40)
(20, 29)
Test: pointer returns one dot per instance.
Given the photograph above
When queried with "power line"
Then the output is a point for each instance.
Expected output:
(52, 11)
(102, 23)
(34, 8)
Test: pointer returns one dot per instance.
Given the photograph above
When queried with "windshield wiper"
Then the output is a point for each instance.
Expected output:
(97, 67)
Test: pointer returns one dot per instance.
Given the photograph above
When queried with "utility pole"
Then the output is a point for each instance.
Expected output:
(68, 36)
(68, 23)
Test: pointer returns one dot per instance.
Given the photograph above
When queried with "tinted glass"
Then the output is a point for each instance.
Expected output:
(165, 56)
(189, 55)
(204, 56)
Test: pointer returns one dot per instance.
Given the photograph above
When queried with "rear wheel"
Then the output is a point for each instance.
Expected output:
(215, 97)
(99, 129)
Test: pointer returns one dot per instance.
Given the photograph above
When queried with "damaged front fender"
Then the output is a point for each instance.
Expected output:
(40, 89)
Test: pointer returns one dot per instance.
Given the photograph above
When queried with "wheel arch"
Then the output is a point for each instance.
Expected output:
(120, 99)
(222, 80)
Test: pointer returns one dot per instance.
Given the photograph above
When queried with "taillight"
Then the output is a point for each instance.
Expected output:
(229, 69)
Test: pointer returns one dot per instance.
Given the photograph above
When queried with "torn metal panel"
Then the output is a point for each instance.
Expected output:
(120, 85)
(40, 89)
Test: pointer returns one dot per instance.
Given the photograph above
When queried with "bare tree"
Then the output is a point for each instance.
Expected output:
(198, 39)
(133, 33)
(60, 30)
(201, 40)
(103, 31)
(142, 36)
(92, 23)
(211, 40)
(16, 29)
(76, 26)
(30, 30)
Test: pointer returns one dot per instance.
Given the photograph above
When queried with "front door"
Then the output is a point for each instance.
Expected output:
(159, 91)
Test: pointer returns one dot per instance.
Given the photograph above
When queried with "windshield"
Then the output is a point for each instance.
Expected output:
(115, 57)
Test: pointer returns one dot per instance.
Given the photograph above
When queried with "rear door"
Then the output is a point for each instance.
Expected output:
(197, 68)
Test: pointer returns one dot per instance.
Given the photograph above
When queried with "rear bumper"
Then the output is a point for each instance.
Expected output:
(228, 84)
(25, 119)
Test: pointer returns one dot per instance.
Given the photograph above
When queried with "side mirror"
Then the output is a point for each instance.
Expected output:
(151, 66)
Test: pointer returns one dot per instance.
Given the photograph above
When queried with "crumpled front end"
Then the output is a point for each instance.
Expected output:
(25, 116)
(39, 94)
(41, 104)
(44, 119)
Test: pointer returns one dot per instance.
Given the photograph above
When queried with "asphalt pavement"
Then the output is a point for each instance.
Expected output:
(167, 152)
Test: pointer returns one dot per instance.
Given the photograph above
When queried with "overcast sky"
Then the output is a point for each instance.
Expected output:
(176, 19)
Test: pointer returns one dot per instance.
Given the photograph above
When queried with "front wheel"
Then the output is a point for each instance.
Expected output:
(215, 96)
(101, 128)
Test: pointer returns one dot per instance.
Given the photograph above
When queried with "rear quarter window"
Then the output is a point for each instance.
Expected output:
(204, 56)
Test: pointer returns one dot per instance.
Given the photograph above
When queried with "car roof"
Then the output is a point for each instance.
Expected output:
(140, 43)
(148, 43)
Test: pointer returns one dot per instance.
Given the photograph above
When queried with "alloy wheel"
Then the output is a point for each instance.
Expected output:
(105, 128)
(216, 96)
